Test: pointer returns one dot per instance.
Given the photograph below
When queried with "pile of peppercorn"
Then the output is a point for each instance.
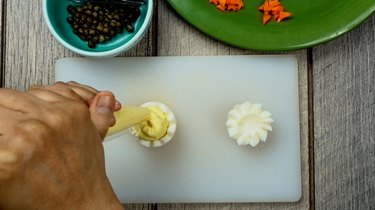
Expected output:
(97, 22)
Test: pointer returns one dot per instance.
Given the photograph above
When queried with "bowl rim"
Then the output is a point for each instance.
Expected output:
(110, 53)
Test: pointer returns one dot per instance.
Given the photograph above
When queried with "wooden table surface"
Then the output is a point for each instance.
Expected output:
(336, 84)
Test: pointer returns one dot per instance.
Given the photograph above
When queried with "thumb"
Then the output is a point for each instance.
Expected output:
(101, 110)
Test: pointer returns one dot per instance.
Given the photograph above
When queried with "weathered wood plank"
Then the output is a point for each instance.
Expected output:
(174, 38)
(31, 50)
(344, 113)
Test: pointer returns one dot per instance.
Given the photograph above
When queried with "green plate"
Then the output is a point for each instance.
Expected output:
(313, 22)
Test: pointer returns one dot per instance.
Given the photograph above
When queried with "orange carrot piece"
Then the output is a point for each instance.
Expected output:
(273, 3)
(266, 7)
(261, 7)
(232, 2)
(266, 18)
(278, 8)
(227, 5)
(240, 4)
(221, 7)
(232, 7)
(222, 2)
(283, 15)
(272, 9)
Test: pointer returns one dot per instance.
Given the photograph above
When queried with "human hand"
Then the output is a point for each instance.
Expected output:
(101, 111)
(51, 153)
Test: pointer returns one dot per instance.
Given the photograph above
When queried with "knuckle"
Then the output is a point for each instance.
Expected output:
(66, 90)
(32, 134)
(60, 85)
(34, 126)
(35, 89)
(56, 119)
(106, 92)
(72, 83)
(69, 92)
(35, 86)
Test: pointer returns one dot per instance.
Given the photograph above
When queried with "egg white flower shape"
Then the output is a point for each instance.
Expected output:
(249, 124)
(171, 130)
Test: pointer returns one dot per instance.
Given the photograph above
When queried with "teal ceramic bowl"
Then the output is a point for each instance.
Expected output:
(56, 14)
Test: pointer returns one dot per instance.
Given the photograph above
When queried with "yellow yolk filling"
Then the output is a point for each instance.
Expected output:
(155, 127)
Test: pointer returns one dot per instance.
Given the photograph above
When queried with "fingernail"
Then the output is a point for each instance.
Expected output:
(105, 104)
(118, 105)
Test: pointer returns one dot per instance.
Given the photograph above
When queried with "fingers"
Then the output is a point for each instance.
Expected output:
(86, 93)
(81, 87)
(101, 104)
(53, 93)
(117, 106)
(101, 111)
(72, 92)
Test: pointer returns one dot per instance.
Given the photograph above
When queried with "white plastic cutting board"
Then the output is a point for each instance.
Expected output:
(201, 163)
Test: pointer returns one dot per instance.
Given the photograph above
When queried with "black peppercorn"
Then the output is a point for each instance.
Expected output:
(129, 28)
(91, 44)
(70, 20)
(97, 23)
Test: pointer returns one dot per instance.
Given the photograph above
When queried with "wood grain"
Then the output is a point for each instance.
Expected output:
(344, 120)
(31, 50)
(176, 38)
